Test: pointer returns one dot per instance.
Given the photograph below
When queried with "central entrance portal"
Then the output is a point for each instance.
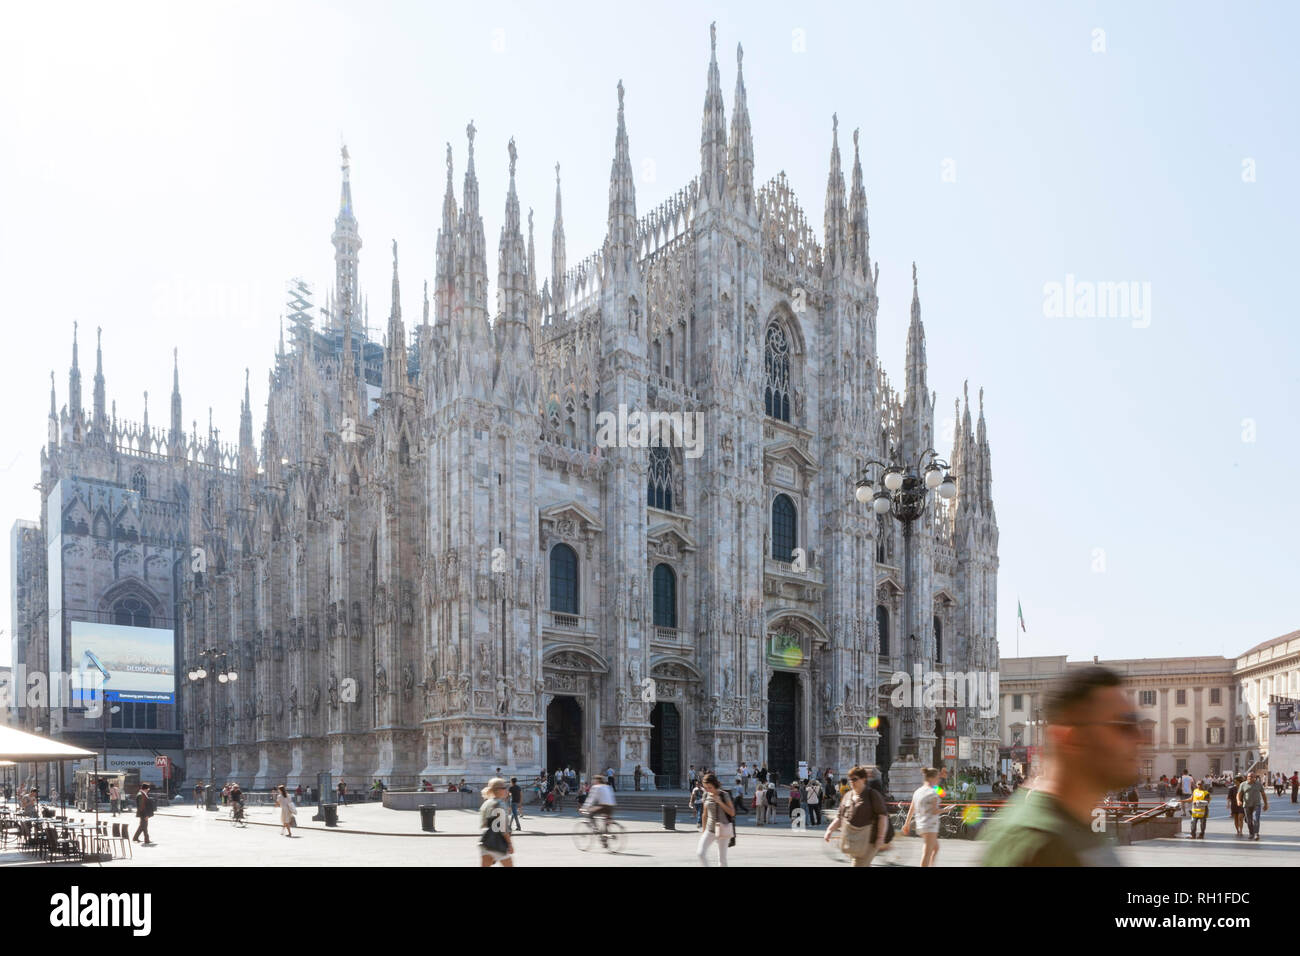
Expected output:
(783, 725)
(666, 746)
(564, 734)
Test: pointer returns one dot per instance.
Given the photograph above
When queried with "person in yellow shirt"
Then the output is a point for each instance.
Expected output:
(1200, 807)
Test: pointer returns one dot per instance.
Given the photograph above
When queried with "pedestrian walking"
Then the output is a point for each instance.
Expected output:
(609, 778)
(198, 794)
(1200, 807)
(516, 798)
(696, 803)
(1091, 746)
(1254, 798)
(795, 799)
(288, 814)
(343, 792)
(1162, 788)
(144, 808)
(1295, 785)
(297, 794)
(814, 799)
(862, 820)
(719, 822)
(1234, 803)
(925, 811)
(495, 845)
(114, 797)
(1185, 786)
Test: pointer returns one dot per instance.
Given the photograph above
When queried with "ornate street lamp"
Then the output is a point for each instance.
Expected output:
(199, 674)
(904, 493)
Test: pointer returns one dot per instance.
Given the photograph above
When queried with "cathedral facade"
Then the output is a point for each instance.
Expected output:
(436, 563)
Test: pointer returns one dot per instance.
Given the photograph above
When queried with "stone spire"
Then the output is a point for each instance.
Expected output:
(444, 280)
(246, 424)
(101, 413)
(836, 214)
(512, 261)
(176, 437)
(395, 351)
(53, 438)
(916, 343)
(713, 132)
(75, 409)
(985, 462)
(858, 233)
(347, 247)
(471, 279)
(558, 265)
(918, 403)
(144, 425)
(740, 162)
(620, 242)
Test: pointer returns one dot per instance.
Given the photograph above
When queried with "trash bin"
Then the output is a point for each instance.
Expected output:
(670, 816)
(426, 817)
(331, 811)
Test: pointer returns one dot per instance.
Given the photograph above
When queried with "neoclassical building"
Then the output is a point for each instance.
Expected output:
(434, 563)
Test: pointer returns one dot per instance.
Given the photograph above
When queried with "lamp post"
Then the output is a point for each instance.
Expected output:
(904, 492)
(219, 673)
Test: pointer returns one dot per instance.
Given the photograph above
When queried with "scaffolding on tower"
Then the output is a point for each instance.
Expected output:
(300, 309)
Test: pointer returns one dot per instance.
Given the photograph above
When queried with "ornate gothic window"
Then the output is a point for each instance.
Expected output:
(659, 492)
(882, 628)
(665, 583)
(564, 580)
(884, 551)
(776, 364)
(139, 483)
(784, 537)
(131, 612)
(938, 638)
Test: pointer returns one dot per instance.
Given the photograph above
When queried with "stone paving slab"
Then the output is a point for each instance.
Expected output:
(392, 838)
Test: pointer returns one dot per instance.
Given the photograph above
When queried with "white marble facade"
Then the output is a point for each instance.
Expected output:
(384, 567)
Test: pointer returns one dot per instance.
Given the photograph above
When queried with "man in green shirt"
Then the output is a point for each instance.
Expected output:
(1091, 747)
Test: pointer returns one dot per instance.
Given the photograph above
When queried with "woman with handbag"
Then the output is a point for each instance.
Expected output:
(285, 803)
(862, 820)
(495, 845)
(719, 821)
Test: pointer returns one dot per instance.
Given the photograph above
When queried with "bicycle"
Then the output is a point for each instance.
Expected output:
(612, 836)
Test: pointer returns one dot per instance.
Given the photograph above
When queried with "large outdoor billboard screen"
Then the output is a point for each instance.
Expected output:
(129, 663)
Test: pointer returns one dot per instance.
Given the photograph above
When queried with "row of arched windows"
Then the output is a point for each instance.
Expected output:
(566, 593)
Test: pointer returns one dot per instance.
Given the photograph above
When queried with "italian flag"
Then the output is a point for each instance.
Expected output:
(1020, 613)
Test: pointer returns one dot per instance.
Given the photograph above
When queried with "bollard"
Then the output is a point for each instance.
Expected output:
(426, 817)
(670, 816)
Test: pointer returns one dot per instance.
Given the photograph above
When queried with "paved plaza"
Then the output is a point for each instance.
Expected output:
(370, 835)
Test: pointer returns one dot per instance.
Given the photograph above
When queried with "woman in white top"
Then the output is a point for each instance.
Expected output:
(285, 803)
(719, 821)
(925, 810)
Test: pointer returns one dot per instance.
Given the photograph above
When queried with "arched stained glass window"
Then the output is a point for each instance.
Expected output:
(784, 536)
(564, 580)
(776, 366)
(665, 590)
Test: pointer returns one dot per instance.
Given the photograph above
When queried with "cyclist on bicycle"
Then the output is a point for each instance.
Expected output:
(599, 805)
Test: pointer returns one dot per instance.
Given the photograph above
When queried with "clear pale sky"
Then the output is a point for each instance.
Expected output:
(166, 168)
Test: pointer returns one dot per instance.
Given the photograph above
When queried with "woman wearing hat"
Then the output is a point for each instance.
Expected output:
(495, 846)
